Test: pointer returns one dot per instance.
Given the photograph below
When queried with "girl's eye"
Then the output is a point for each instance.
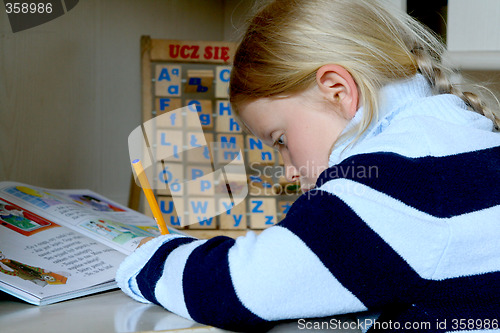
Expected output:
(281, 140)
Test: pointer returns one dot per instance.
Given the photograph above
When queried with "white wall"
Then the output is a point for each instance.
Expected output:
(473, 34)
(70, 88)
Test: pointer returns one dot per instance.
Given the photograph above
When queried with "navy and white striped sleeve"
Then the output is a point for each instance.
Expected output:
(286, 272)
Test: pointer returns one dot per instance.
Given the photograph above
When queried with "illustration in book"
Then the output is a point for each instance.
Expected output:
(37, 275)
(95, 203)
(22, 221)
(117, 232)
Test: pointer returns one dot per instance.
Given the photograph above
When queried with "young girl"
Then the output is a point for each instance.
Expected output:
(403, 170)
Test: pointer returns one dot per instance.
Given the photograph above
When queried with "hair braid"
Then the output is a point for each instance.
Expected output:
(440, 78)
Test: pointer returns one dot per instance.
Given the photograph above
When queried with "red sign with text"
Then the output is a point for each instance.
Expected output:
(201, 51)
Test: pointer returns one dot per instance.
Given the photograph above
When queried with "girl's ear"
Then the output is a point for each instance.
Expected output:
(338, 86)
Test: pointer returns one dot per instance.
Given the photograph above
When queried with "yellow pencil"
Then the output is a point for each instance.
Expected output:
(143, 179)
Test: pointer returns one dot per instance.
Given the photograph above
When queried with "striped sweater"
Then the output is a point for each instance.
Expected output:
(405, 222)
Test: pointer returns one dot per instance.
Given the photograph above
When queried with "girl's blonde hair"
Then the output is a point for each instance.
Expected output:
(287, 41)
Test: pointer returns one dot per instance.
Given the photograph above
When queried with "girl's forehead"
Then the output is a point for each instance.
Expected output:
(258, 116)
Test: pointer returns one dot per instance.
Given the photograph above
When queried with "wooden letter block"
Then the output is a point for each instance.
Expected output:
(170, 179)
(233, 217)
(169, 114)
(262, 212)
(258, 152)
(172, 210)
(199, 81)
(204, 109)
(168, 79)
(201, 180)
(167, 104)
(260, 184)
(225, 121)
(169, 145)
(223, 74)
(230, 148)
(202, 213)
(199, 148)
(233, 180)
(283, 208)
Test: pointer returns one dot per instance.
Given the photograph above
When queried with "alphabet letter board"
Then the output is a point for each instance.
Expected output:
(195, 75)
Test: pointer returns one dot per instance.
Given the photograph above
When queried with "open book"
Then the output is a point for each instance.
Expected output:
(61, 244)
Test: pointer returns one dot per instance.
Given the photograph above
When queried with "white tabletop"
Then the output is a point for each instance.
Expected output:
(108, 312)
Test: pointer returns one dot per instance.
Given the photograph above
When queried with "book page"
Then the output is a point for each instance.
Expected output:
(85, 212)
(40, 259)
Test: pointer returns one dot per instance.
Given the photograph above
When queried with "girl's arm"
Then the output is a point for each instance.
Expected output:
(321, 260)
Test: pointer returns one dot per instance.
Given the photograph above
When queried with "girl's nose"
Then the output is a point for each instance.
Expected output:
(291, 173)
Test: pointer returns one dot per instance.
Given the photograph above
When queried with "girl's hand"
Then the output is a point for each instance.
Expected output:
(144, 241)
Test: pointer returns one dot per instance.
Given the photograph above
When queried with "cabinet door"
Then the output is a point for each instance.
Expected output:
(473, 34)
